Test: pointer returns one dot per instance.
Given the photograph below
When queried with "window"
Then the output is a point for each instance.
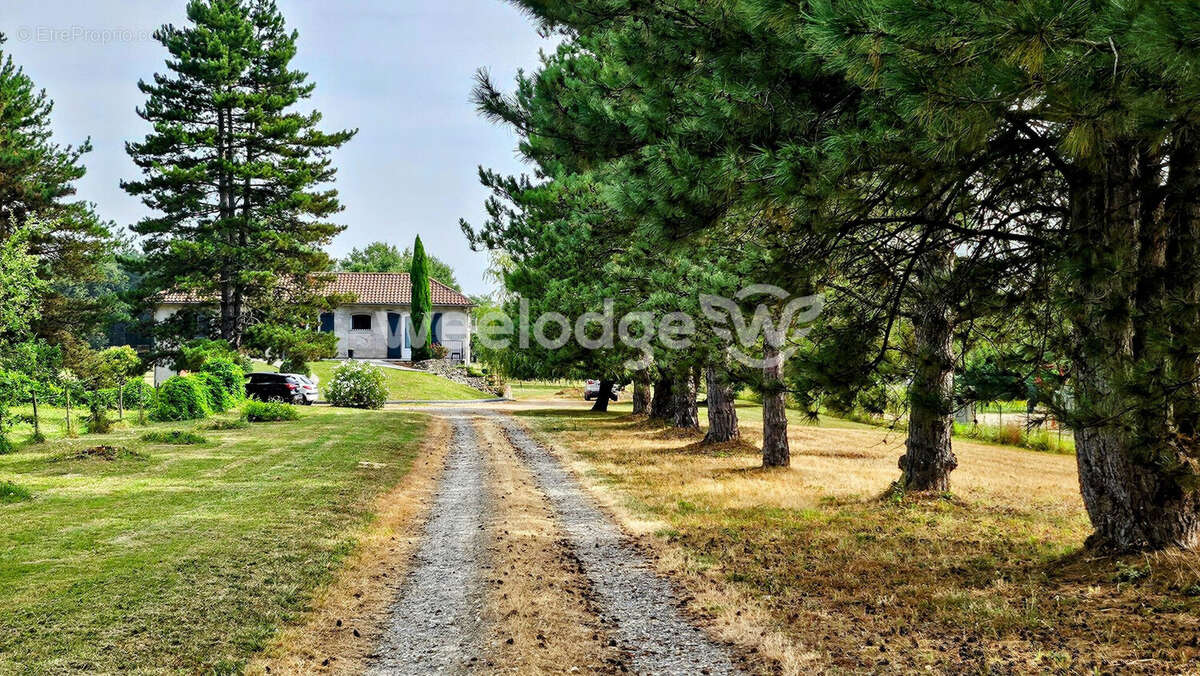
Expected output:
(360, 322)
(326, 322)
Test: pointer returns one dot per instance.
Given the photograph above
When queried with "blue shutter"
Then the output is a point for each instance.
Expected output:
(326, 322)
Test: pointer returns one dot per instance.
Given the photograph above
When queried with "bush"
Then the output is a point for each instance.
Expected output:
(231, 377)
(98, 422)
(438, 351)
(270, 411)
(10, 492)
(182, 398)
(218, 425)
(174, 437)
(138, 393)
(219, 398)
(357, 384)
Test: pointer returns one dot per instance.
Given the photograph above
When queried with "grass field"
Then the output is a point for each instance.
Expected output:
(819, 568)
(545, 389)
(402, 385)
(184, 558)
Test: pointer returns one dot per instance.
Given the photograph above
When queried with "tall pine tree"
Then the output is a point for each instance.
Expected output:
(236, 177)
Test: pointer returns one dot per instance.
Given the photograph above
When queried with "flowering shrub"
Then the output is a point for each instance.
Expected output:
(357, 384)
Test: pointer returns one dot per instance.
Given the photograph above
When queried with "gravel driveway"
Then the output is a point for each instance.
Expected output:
(435, 621)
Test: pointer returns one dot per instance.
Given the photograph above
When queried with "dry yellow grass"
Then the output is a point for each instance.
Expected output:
(348, 616)
(538, 611)
(814, 569)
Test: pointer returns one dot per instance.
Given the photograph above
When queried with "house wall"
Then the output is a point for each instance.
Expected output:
(161, 371)
(373, 343)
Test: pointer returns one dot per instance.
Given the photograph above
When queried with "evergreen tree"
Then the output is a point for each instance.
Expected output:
(231, 170)
(37, 183)
(1106, 93)
(422, 303)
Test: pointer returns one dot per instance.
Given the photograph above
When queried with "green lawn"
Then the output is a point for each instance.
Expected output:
(402, 385)
(184, 558)
(547, 389)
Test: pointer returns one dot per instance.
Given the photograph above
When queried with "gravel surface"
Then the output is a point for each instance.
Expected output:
(435, 621)
(642, 606)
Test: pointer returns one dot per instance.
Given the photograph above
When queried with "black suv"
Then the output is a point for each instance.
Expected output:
(275, 387)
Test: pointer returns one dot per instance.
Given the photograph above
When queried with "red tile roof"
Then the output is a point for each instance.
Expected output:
(371, 288)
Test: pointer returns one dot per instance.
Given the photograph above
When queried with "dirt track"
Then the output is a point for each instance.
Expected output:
(439, 619)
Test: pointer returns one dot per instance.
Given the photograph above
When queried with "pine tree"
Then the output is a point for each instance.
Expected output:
(422, 303)
(37, 178)
(1106, 93)
(231, 170)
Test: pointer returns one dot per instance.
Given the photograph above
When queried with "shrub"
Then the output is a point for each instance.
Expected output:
(138, 393)
(219, 398)
(10, 492)
(174, 437)
(98, 422)
(231, 377)
(218, 425)
(357, 384)
(438, 351)
(182, 398)
(270, 411)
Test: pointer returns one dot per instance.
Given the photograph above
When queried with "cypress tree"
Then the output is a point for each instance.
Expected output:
(232, 172)
(422, 303)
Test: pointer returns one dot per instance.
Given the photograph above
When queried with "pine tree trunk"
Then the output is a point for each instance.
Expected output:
(686, 415)
(722, 415)
(1132, 506)
(1183, 261)
(641, 393)
(775, 450)
(929, 457)
(663, 402)
(1128, 453)
(603, 395)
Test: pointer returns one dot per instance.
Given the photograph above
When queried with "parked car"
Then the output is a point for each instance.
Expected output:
(287, 387)
(591, 390)
(308, 386)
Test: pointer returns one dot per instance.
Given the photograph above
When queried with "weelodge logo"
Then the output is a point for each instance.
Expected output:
(781, 331)
(776, 319)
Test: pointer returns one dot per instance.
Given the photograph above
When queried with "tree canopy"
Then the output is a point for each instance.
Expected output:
(238, 180)
(384, 257)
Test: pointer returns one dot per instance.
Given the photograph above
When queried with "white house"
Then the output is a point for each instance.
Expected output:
(377, 325)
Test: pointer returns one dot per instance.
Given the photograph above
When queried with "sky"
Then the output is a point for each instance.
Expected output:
(401, 71)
